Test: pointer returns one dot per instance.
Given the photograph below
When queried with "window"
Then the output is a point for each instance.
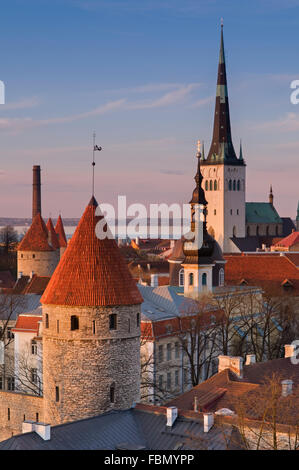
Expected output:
(160, 382)
(57, 394)
(34, 376)
(10, 334)
(214, 211)
(204, 279)
(230, 185)
(112, 393)
(33, 256)
(8, 414)
(168, 380)
(234, 185)
(191, 279)
(211, 185)
(176, 378)
(169, 352)
(237, 211)
(129, 325)
(234, 231)
(207, 185)
(238, 185)
(160, 353)
(1, 382)
(138, 320)
(47, 320)
(93, 327)
(112, 321)
(221, 277)
(57, 326)
(74, 323)
(177, 350)
(33, 347)
(10, 383)
(36, 417)
(181, 277)
(231, 212)
(215, 185)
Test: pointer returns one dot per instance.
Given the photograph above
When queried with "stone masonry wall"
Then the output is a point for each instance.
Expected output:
(43, 263)
(84, 363)
(19, 406)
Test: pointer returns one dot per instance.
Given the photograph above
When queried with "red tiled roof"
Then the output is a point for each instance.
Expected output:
(36, 239)
(290, 240)
(27, 323)
(260, 267)
(59, 229)
(53, 239)
(92, 272)
(37, 285)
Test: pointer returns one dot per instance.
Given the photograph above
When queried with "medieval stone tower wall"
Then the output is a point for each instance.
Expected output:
(82, 367)
(41, 263)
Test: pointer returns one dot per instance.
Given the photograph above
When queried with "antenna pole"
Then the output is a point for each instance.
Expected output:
(93, 162)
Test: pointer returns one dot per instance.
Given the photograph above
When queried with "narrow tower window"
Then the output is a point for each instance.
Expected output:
(57, 394)
(215, 185)
(93, 327)
(230, 185)
(112, 321)
(112, 393)
(204, 279)
(238, 185)
(207, 185)
(47, 321)
(211, 185)
(74, 323)
(234, 185)
(221, 277)
(138, 319)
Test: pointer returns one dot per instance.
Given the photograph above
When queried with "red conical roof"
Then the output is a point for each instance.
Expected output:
(53, 239)
(36, 239)
(59, 229)
(92, 272)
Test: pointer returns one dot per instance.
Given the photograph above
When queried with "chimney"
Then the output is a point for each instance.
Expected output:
(31, 274)
(36, 192)
(154, 280)
(250, 359)
(208, 421)
(287, 386)
(20, 274)
(27, 426)
(234, 363)
(43, 430)
(289, 350)
(195, 403)
(171, 414)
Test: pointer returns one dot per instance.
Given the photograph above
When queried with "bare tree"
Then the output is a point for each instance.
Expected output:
(8, 237)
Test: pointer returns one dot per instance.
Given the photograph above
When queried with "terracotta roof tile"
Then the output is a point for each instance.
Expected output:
(59, 229)
(27, 323)
(91, 272)
(260, 267)
(290, 240)
(36, 239)
(53, 239)
(36, 285)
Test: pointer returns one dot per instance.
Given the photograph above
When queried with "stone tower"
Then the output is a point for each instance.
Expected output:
(91, 328)
(59, 229)
(38, 252)
(223, 172)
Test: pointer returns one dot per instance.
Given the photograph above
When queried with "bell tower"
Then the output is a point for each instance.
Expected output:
(223, 172)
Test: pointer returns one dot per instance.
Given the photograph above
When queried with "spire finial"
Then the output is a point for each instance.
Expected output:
(271, 197)
(221, 22)
(94, 148)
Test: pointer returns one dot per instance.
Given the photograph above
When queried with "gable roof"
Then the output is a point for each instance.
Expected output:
(92, 272)
(59, 229)
(261, 212)
(36, 239)
(27, 324)
(289, 241)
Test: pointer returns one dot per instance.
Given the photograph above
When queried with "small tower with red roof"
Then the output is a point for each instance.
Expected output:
(38, 252)
(91, 328)
(59, 229)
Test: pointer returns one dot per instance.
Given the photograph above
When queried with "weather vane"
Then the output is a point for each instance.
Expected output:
(95, 148)
(221, 22)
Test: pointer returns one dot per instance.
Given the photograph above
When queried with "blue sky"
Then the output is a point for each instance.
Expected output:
(142, 74)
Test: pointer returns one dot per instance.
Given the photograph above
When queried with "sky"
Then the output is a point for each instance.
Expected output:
(142, 75)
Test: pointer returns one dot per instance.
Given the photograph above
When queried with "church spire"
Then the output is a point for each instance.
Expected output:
(271, 197)
(222, 149)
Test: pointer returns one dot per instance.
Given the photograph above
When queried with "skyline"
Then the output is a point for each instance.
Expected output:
(150, 98)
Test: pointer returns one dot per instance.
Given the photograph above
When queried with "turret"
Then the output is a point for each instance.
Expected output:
(91, 328)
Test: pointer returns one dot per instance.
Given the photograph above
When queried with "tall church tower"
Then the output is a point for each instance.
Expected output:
(224, 172)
